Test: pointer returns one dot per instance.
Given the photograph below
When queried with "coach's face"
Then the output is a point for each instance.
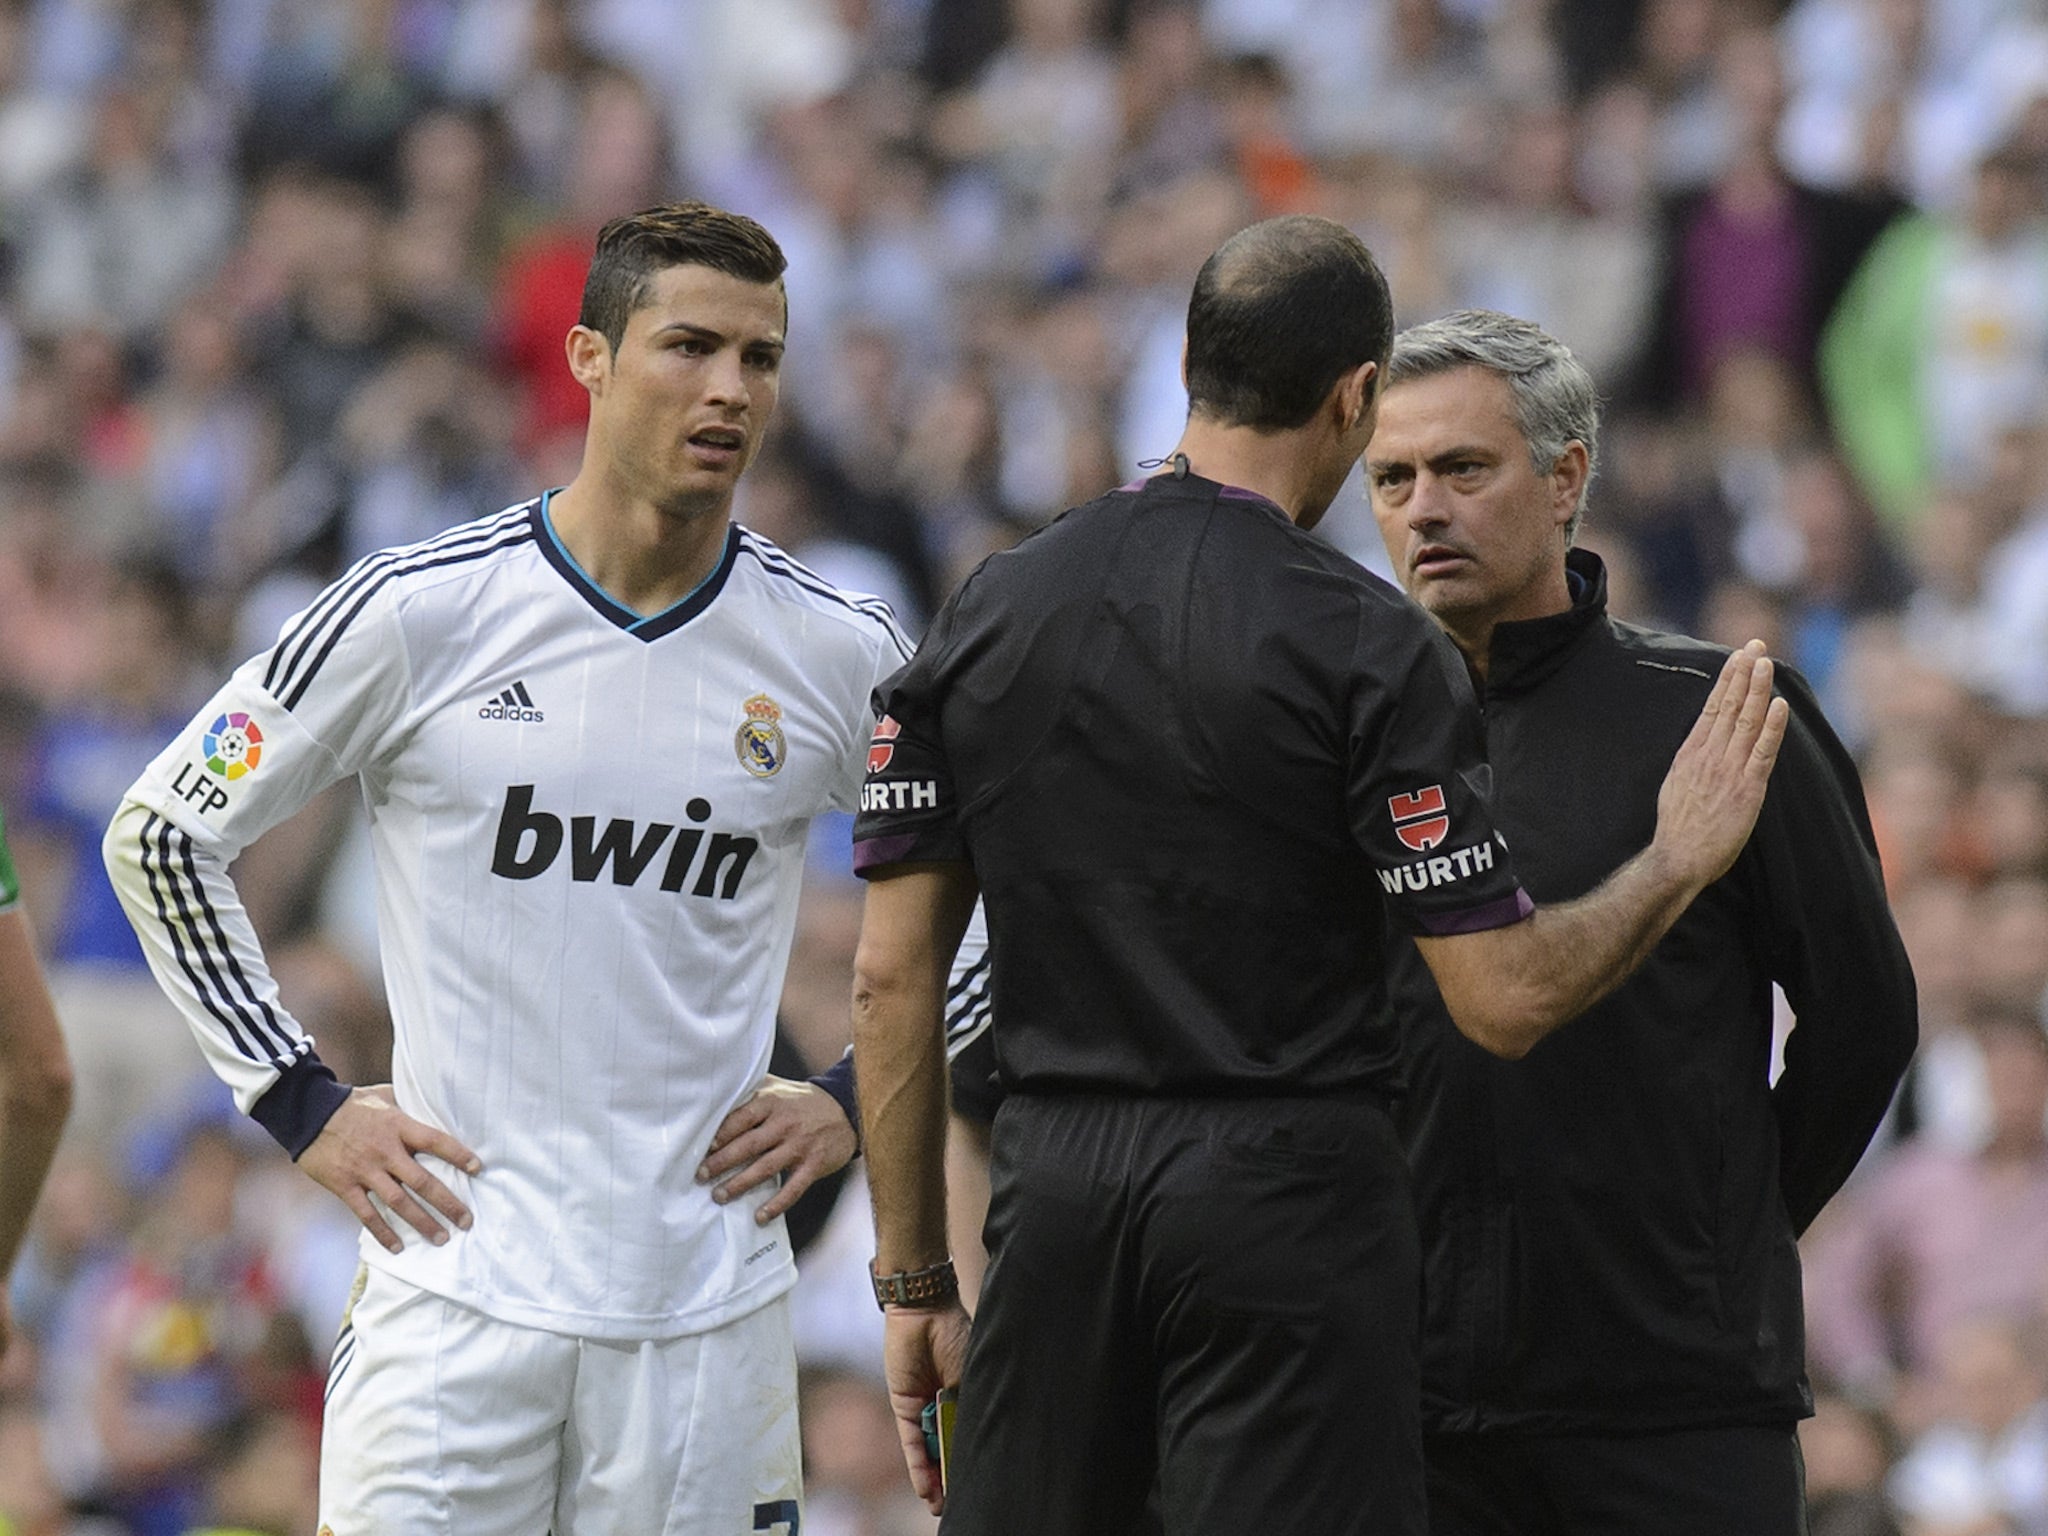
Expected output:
(1476, 533)
(683, 403)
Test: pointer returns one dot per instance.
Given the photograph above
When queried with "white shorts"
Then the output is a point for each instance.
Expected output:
(442, 1420)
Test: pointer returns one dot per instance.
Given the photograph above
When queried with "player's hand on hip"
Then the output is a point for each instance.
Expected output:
(922, 1351)
(1715, 788)
(369, 1147)
(795, 1130)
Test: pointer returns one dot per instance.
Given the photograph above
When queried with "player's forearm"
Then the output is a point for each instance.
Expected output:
(35, 1083)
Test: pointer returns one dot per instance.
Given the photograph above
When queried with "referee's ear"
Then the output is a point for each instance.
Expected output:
(1357, 396)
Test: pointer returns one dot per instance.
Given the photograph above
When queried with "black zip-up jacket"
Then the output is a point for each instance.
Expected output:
(1608, 1224)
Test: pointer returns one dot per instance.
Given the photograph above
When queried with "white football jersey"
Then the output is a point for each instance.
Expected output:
(588, 829)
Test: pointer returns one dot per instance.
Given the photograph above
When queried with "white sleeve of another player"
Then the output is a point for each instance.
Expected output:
(273, 737)
(968, 1008)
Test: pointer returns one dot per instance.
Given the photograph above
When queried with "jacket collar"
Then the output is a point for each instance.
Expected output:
(1526, 651)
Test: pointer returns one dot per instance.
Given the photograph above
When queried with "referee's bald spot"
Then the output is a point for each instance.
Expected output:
(1267, 255)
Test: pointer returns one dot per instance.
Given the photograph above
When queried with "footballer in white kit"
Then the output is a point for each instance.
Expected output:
(588, 827)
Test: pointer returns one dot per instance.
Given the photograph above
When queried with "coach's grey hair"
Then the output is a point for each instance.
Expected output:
(1555, 401)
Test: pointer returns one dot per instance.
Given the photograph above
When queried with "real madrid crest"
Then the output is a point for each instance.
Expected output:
(760, 742)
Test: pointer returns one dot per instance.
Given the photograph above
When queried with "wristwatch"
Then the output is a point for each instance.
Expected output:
(917, 1289)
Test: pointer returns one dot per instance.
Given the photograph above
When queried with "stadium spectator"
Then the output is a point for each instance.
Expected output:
(853, 1474)
(618, 159)
(1982, 1464)
(1937, 1234)
(1754, 259)
(1531, 248)
(123, 244)
(1847, 1452)
(262, 1479)
(2016, 615)
(178, 1329)
(206, 447)
(1940, 342)
(335, 324)
(140, 687)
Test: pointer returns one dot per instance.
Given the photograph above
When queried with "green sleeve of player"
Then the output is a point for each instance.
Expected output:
(10, 887)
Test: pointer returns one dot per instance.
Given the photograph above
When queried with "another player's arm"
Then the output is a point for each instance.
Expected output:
(806, 1131)
(967, 1192)
(799, 1132)
(1506, 988)
(910, 926)
(35, 1078)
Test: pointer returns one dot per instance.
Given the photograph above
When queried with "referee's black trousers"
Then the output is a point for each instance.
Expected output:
(1218, 1295)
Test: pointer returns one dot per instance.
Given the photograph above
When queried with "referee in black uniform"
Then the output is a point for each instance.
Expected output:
(1193, 760)
(1613, 1339)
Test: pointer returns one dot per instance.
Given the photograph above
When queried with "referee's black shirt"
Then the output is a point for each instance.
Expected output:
(1195, 757)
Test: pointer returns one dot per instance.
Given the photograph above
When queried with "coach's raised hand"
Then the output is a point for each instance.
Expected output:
(1715, 787)
(368, 1148)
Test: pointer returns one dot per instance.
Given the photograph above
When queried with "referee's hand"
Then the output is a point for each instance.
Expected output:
(367, 1148)
(923, 1349)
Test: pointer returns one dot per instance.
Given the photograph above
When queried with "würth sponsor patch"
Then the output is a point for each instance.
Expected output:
(883, 747)
(1442, 869)
(1419, 819)
(900, 795)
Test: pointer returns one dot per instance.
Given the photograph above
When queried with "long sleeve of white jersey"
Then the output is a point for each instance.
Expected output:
(291, 721)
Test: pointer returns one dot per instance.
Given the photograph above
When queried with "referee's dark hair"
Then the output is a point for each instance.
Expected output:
(1280, 312)
(635, 246)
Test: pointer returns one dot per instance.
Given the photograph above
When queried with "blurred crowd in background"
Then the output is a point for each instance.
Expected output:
(284, 281)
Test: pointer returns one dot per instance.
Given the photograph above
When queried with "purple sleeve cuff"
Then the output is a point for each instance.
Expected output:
(874, 852)
(1501, 913)
(837, 1080)
(299, 1104)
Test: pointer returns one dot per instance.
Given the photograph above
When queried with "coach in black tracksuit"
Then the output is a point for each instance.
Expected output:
(1191, 759)
(1613, 1337)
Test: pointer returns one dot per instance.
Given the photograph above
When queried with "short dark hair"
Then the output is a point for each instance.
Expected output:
(1280, 312)
(635, 246)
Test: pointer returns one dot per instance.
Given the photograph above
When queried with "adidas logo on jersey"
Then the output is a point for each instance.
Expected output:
(515, 703)
(529, 841)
